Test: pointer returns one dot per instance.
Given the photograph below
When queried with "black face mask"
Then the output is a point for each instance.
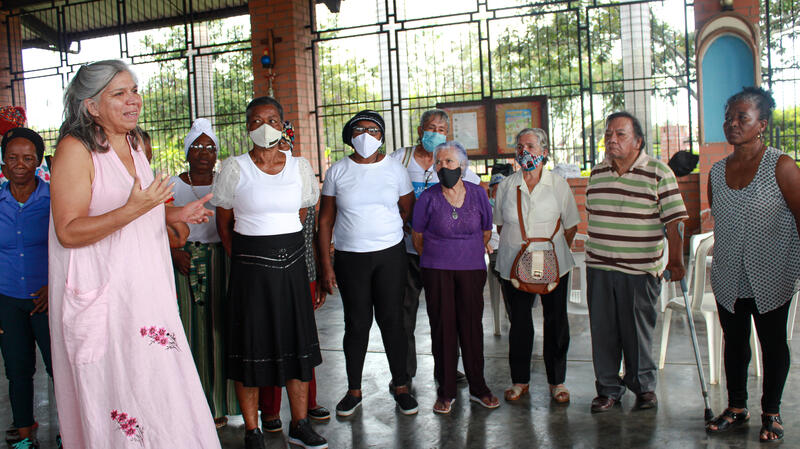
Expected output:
(449, 177)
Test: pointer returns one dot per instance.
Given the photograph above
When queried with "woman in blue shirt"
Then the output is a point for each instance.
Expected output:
(24, 218)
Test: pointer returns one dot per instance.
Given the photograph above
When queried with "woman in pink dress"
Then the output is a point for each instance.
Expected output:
(123, 371)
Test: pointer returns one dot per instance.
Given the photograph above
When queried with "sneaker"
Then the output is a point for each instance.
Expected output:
(26, 443)
(271, 425)
(406, 403)
(347, 406)
(253, 439)
(319, 413)
(303, 435)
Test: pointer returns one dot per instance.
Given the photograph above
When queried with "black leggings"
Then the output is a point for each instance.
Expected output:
(367, 281)
(771, 329)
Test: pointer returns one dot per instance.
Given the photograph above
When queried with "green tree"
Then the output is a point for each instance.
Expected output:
(785, 130)
(166, 94)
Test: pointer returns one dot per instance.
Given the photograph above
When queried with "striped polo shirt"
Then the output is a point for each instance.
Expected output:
(627, 215)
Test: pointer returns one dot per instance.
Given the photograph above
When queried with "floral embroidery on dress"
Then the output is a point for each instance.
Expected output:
(159, 335)
(129, 426)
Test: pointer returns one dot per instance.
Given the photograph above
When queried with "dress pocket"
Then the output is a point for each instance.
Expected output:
(85, 316)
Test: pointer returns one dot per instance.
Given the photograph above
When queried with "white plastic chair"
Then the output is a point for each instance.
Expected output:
(578, 297)
(704, 303)
(792, 313)
(494, 296)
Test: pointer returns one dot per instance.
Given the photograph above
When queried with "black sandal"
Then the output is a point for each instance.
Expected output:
(724, 425)
(768, 425)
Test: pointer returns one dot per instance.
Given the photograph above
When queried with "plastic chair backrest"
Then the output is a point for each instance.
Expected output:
(694, 242)
(699, 276)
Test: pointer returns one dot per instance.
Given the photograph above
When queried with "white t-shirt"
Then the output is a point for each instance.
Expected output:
(422, 179)
(200, 232)
(265, 204)
(367, 216)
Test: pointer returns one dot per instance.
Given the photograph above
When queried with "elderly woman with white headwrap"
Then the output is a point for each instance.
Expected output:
(201, 272)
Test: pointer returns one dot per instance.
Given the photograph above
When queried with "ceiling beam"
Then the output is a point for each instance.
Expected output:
(16, 4)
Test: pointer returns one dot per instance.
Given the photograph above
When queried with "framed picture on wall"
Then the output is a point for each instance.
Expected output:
(515, 114)
(487, 127)
(468, 125)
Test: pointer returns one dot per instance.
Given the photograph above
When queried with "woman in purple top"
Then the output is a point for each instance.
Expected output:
(452, 225)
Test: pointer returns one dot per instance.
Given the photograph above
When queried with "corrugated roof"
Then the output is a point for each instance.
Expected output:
(45, 23)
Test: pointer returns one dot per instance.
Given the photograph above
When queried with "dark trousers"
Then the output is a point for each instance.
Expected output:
(413, 288)
(771, 329)
(370, 281)
(520, 335)
(454, 300)
(622, 316)
(21, 332)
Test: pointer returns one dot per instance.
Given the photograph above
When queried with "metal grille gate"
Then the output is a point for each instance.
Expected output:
(190, 63)
(402, 57)
(780, 62)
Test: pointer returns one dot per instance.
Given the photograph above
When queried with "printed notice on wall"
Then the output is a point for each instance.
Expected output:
(465, 129)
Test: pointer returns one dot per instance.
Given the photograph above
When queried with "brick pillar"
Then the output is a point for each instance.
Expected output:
(704, 11)
(10, 60)
(293, 84)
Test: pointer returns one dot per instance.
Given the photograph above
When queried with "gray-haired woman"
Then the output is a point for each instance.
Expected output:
(545, 198)
(452, 225)
(124, 374)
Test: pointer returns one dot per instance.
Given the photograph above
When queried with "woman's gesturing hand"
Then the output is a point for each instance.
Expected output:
(142, 200)
(196, 212)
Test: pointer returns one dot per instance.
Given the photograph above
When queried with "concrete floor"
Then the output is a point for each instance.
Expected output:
(534, 421)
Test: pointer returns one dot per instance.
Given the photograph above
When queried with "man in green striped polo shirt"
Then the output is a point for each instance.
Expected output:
(630, 198)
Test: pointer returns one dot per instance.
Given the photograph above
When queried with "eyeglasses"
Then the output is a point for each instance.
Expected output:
(212, 149)
(371, 131)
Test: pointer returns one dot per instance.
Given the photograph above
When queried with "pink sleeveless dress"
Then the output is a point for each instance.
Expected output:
(123, 370)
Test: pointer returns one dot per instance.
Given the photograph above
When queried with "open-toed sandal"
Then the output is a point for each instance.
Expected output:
(487, 401)
(723, 425)
(559, 393)
(768, 426)
(515, 392)
(443, 406)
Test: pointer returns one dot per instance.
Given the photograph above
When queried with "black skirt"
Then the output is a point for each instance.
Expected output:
(271, 332)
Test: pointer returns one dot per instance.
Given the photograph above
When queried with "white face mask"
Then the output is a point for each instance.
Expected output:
(366, 145)
(265, 136)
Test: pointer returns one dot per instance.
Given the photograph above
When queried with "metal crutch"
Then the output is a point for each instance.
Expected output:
(709, 414)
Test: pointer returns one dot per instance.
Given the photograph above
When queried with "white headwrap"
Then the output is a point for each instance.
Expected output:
(199, 127)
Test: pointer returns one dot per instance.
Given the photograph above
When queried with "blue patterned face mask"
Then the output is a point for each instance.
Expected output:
(528, 162)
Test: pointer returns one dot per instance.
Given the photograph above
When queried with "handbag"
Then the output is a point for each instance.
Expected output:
(535, 269)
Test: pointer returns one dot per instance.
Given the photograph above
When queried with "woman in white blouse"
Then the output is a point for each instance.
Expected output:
(366, 198)
(271, 333)
(545, 199)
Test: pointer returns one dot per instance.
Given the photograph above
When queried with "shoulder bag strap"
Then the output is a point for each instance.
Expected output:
(407, 156)
(519, 214)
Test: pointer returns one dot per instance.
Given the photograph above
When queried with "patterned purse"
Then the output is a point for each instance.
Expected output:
(535, 269)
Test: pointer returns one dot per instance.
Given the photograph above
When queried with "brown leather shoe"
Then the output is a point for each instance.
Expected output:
(602, 404)
(646, 400)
